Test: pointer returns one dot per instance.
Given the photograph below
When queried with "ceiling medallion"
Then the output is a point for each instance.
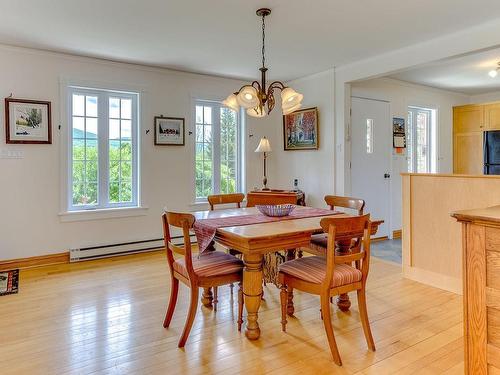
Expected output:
(255, 97)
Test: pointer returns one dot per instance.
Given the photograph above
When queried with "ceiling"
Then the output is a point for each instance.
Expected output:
(466, 74)
(222, 37)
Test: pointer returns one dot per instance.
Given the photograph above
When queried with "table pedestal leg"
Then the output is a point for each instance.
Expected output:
(290, 309)
(343, 302)
(207, 297)
(252, 292)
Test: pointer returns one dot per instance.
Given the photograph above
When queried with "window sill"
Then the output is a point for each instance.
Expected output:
(104, 213)
(199, 206)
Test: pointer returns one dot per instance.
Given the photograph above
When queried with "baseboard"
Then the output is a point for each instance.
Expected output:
(31, 262)
(451, 284)
(397, 233)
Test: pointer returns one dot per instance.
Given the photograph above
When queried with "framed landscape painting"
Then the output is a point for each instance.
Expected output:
(27, 121)
(169, 131)
(300, 130)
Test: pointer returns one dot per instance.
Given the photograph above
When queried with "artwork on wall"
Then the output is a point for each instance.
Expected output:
(398, 134)
(169, 131)
(27, 121)
(300, 130)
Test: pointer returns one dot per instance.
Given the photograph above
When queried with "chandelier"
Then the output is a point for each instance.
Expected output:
(255, 97)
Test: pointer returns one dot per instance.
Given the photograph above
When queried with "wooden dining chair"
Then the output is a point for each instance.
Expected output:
(270, 197)
(332, 275)
(219, 199)
(318, 243)
(207, 270)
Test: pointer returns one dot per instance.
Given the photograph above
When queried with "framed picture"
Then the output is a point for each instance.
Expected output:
(27, 121)
(169, 131)
(300, 130)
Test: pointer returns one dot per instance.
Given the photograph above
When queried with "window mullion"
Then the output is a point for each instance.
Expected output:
(103, 149)
(216, 148)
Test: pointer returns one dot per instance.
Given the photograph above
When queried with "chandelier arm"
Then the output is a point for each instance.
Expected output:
(277, 85)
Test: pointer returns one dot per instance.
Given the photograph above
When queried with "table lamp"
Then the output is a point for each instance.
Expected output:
(264, 147)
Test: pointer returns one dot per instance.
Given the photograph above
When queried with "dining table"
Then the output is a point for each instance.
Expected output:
(254, 239)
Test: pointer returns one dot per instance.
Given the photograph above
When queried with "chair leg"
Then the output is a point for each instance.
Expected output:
(363, 313)
(290, 308)
(240, 306)
(216, 297)
(284, 303)
(172, 302)
(327, 322)
(190, 317)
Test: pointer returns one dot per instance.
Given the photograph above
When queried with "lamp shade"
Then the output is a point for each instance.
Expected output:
(256, 112)
(290, 98)
(248, 97)
(264, 145)
(289, 110)
(232, 102)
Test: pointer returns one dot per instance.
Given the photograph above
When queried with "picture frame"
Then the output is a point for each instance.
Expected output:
(28, 121)
(169, 131)
(301, 130)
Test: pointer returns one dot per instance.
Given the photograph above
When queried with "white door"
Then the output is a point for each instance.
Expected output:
(371, 145)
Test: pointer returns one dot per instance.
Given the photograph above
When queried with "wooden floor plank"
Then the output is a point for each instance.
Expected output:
(104, 317)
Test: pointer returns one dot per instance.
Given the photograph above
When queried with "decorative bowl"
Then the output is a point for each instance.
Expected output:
(277, 210)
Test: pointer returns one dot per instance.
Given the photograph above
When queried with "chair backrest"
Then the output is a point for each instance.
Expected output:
(217, 199)
(270, 197)
(345, 202)
(354, 233)
(185, 222)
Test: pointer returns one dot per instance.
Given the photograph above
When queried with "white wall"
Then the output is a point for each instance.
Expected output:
(400, 95)
(31, 187)
(485, 98)
(313, 168)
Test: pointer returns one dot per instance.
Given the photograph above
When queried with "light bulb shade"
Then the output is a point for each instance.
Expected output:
(264, 145)
(290, 98)
(493, 73)
(232, 102)
(256, 112)
(289, 110)
(248, 97)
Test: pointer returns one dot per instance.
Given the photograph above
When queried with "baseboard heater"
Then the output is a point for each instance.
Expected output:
(118, 249)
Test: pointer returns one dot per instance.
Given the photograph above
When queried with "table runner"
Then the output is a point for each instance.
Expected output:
(205, 229)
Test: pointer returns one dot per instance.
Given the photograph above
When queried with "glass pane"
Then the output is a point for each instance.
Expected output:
(126, 170)
(78, 171)
(422, 146)
(409, 142)
(207, 115)
(369, 136)
(199, 151)
(91, 149)
(126, 129)
(114, 170)
(91, 128)
(91, 193)
(114, 129)
(78, 105)
(91, 108)
(78, 127)
(207, 134)
(199, 188)
(114, 107)
(114, 192)
(199, 114)
(78, 149)
(199, 170)
(199, 133)
(126, 150)
(91, 171)
(126, 192)
(207, 151)
(114, 150)
(78, 194)
(126, 110)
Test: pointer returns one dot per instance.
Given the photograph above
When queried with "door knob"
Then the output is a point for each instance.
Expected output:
(387, 175)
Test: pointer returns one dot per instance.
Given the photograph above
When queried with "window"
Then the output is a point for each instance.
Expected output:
(421, 140)
(369, 136)
(218, 151)
(103, 149)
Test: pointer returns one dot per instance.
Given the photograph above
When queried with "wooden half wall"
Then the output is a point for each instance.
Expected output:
(432, 239)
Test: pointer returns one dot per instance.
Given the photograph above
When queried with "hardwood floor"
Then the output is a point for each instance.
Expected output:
(106, 317)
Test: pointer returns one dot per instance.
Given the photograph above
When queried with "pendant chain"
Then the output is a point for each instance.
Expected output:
(263, 42)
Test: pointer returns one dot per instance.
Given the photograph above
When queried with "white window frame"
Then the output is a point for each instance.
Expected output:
(240, 147)
(431, 138)
(103, 96)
